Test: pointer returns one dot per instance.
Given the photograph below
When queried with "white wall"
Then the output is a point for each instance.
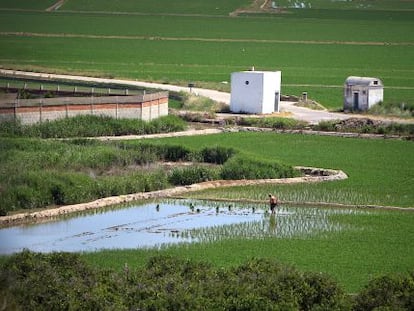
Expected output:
(254, 91)
(271, 86)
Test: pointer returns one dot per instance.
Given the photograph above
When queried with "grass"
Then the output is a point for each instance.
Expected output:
(166, 62)
(317, 67)
(26, 5)
(289, 28)
(215, 7)
(355, 4)
(379, 170)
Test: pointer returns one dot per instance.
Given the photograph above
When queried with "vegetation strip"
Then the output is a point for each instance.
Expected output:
(327, 42)
(323, 175)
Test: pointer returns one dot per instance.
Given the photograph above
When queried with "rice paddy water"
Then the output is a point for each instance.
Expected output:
(160, 223)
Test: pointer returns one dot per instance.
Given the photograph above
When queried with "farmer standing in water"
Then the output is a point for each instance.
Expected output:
(273, 202)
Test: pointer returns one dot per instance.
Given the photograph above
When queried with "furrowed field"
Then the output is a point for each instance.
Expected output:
(315, 49)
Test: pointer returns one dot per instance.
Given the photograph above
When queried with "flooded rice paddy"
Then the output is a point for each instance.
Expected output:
(163, 223)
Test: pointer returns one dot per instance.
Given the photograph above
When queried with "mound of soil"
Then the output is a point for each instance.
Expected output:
(357, 123)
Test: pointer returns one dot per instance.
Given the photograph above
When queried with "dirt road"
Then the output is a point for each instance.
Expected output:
(300, 113)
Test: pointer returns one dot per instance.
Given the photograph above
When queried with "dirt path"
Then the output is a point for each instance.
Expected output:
(300, 113)
(55, 6)
(160, 38)
(317, 175)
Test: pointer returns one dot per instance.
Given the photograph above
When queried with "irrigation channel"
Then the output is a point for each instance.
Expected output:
(160, 223)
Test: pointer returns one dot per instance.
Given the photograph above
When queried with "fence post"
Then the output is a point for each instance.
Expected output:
(16, 103)
(92, 98)
(40, 111)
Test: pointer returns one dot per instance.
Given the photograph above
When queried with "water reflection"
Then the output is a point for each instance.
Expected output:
(158, 223)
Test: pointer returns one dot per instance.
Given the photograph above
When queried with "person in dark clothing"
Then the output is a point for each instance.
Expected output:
(273, 202)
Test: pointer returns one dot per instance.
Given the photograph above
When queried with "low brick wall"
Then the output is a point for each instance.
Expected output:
(30, 111)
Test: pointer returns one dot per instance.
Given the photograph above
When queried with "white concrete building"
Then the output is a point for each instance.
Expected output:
(361, 93)
(255, 91)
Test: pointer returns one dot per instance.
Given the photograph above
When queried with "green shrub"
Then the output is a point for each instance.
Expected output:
(36, 189)
(390, 292)
(217, 154)
(57, 281)
(403, 110)
(273, 122)
(244, 167)
(131, 183)
(91, 126)
(258, 284)
(193, 174)
(326, 126)
(173, 152)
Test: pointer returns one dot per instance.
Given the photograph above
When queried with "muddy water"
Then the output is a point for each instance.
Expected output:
(166, 222)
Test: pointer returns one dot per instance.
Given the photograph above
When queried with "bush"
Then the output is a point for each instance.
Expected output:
(326, 126)
(275, 123)
(243, 167)
(37, 189)
(91, 126)
(403, 110)
(62, 281)
(57, 281)
(217, 154)
(258, 284)
(391, 292)
(192, 175)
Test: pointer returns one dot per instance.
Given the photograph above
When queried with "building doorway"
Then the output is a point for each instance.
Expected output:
(356, 101)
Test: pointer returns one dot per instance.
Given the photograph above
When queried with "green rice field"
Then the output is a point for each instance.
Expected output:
(373, 246)
(316, 49)
(380, 171)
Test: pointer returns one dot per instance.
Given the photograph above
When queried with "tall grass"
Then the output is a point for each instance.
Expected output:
(92, 126)
(245, 167)
(37, 173)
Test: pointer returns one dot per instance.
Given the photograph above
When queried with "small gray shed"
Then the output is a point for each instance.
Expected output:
(361, 93)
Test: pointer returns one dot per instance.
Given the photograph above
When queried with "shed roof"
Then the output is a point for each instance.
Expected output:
(364, 81)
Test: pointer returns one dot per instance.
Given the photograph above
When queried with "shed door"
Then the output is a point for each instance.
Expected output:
(356, 100)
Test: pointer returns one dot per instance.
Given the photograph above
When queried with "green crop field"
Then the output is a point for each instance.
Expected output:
(375, 241)
(316, 49)
(214, 7)
(26, 4)
(380, 172)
